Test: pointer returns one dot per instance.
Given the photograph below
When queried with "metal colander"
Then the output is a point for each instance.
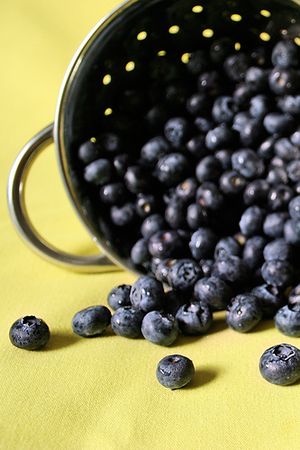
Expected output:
(127, 66)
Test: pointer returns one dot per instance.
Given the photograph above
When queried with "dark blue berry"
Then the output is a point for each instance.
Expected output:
(177, 131)
(256, 192)
(244, 313)
(274, 224)
(121, 162)
(280, 364)
(294, 298)
(213, 291)
(219, 137)
(283, 81)
(279, 197)
(236, 66)
(209, 196)
(89, 151)
(152, 224)
(137, 179)
(123, 215)
(292, 232)
(165, 244)
(251, 222)
(98, 172)
(119, 296)
(270, 297)
(175, 214)
(287, 321)
(160, 328)
(196, 216)
(113, 193)
(127, 322)
(145, 205)
(247, 163)
(232, 183)
(139, 253)
(171, 169)
(278, 249)
(210, 83)
(92, 321)
(259, 106)
(257, 78)
(186, 190)
(154, 149)
(29, 333)
(223, 109)
(231, 268)
(175, 371)
(203, 124)
(285, 150)
(289, 104)
(293, 171)
(196, 147)
(285, 54)
(198, 104)
(183, 274)
(202, 243)
(294, 208)
(147, 294)
(277, 273)
(227, 246)
(253, 252)
(194, 318)
(208, 169)
(224, 157)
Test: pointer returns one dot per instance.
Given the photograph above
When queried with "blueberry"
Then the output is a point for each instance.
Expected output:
(165, 244)
(123, 215)
(183, 274)
(136, 179)
(121, 163)
(162, 269)
(175, 371)
(270, 297)
(213, 291)
(196, 216)
(294, 208)
(279, 197)
(98, 172)
(295, 138)
(277, 273)
(203, 124)
(113, 193)
(253, 252)
(147, 294)
(278, 249)
(91, 321)
(196, 147)
(287, 321)
(159, 328)
(152, 224)
(294, 298)
(256, 192)
(283, 81)
(206, 266)
(266, 148)
(251, 222)
(198, 62)
(224, 157)
(286, 150)
(186, 190)
(29, 333)
(194, 318)
(257, 78)
(88, 152)
(223, 109)
(173, 301)
(259, 106)
(240, 120)
(210, 83)
(244, 313)
(232, 183)
(280, 364)
(252, 134)
(145, 205)
(247, 163)
(175, 214)
(277, 175)
(171, 169)
(220, 49)
(236, 66)
(285, 55)
(208, 169)
(202, 243)
(293, 170)
(242, 95)
(177, 131)
(227, 246)
(119, 296)
(289, 104)
(154, 149)
(219, 137)
(209, 196)
(231, 268)
(139, 253)
(292, 232)
(127, 322)
(198, 104)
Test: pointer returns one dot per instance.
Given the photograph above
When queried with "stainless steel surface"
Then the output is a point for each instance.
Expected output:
(20, 216)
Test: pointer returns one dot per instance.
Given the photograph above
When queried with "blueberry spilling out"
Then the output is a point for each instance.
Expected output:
(281, 364)
(175, 371)
(204, 193)
(91, 321)
(29, 333)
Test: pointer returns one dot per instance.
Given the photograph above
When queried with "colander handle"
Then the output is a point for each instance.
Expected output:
(20, 217)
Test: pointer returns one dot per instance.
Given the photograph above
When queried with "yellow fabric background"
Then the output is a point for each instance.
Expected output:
(102, 393)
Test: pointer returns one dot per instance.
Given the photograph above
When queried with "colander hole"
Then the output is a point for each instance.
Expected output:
(108, 112)
(265, 36)
(93, 139)
(185, 58)
(130, 66)
(208, 33)
(197, 9)
(174, 29)
(265, 13)
(236, 17)
(297, 40)
(106, 79)
(237, 46)
(162, 53)
(142, 36)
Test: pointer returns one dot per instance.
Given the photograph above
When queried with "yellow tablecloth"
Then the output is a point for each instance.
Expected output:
(102, 393)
